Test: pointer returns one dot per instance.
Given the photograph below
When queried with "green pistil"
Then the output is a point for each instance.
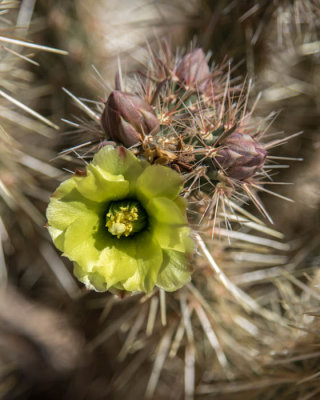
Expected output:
(125, 217)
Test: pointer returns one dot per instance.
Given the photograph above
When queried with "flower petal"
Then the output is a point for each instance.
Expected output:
(119, 161)
(149, 259)
(57, 235)
(94, 280)
(67, 204)
(84, 240)
(182, 204)
(84, 276)
(134, 263)
(116, 262)
(158, 181)
(171, 238)
(175, 271)
(165, 211)
(101, 186)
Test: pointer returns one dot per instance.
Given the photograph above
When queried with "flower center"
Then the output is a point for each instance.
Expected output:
(125, 217)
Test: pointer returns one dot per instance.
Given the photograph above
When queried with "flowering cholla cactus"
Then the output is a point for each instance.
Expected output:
(182, 122)
(183, 119)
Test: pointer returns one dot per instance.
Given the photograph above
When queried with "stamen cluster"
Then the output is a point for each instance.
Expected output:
(125, 218)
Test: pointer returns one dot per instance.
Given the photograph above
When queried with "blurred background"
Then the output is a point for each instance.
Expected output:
(58, 341)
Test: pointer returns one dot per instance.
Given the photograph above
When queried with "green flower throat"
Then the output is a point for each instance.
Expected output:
(125, 218)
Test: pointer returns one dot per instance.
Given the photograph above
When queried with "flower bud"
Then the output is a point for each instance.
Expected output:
(240, 156)
(126, 117)
(193, 71)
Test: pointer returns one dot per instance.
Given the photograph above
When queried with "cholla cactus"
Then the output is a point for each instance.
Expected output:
(232, 321)
(195, 123)
(182, 115)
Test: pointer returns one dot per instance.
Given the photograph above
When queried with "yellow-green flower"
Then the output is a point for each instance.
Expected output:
(123, 224)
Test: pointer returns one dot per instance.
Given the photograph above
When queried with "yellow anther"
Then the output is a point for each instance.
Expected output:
(125, 219)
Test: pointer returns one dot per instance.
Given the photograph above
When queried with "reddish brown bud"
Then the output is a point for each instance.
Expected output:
(240, 156)
(193, 71)
(126, 117)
